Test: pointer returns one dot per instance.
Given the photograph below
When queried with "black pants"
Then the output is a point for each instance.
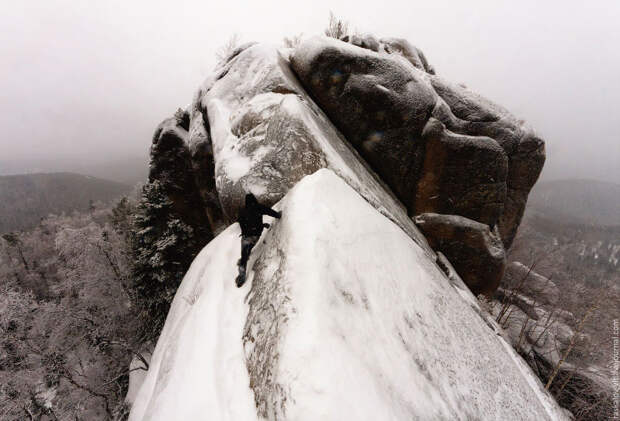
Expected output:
(247, 244)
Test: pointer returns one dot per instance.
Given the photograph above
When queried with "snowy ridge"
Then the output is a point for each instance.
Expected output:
(343, 317)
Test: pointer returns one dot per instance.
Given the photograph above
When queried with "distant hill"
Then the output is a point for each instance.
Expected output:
(571, 229)
(577, 202)
(127, 169)
(25, 199)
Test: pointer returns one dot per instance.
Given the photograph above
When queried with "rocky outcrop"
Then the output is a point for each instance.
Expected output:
(386, 100)
(475, 251)
(369, 137)
(530, 283)
(460, 174)
(464, 111)
(267, 134)
(541, 333)
(203, 164)
(171, 166)
(380, 102)
(439, 148)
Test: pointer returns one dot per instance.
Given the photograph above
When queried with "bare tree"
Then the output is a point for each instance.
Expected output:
(66, 354)
(571, 345)
(336, 28)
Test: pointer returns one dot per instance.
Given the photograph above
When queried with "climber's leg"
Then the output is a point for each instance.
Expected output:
(247, 243)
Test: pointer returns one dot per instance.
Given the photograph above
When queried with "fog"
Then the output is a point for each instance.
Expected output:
(85, 83)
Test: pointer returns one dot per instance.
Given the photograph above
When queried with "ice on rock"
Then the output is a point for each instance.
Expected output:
(343, 317)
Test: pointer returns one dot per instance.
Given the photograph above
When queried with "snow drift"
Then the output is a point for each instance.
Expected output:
(343, 317)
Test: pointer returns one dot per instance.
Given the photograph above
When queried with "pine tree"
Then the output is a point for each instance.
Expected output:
(164, 247)
(170, 225)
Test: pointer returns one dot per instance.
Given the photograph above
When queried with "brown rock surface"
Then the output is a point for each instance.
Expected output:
(383, 97)
(475, 251)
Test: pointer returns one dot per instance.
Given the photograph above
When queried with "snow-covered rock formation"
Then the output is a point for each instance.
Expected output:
(267, 134)
(348, 313)
(343, 317)
(425, 145)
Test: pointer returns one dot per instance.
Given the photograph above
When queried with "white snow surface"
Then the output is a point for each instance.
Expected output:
(343, 317)
(197, 371)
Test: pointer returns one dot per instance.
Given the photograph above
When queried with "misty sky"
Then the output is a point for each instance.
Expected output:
(88, 81)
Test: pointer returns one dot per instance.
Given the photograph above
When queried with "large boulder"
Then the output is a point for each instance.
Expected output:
(380, 102)
(383, 97)
(475, 251)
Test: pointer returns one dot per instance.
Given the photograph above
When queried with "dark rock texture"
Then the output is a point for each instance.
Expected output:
(203, 164)
(377, 101)
(385, 98)
(267, 134)
(171, 166)
(475, 251)
(464, 111)
(463, 175)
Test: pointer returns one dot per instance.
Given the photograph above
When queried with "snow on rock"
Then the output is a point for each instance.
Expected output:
(250, 154)
(203, 164)
(343, 317)
(267, 134)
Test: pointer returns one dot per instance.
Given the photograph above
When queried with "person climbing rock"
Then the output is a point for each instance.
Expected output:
(251, 222)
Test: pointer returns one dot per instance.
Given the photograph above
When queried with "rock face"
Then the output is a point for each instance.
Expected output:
(434, 147)
(171, 165)
(267, 134)
(530, 283)
(459, 175)
(345, 318)
(203, 164)
(348, 314)
(480, 161)
(381, 103)
(464, 111)
(474, 250)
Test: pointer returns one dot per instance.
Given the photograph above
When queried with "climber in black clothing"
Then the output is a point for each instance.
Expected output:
(251, 222)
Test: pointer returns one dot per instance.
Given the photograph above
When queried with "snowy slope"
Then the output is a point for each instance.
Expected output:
(344, 317)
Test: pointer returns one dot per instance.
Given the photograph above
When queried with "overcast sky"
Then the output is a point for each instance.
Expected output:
(89, 80)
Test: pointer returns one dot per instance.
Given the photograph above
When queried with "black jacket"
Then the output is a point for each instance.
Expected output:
(251, 216)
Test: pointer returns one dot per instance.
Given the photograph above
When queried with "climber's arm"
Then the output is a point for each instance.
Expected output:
(270, 212)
